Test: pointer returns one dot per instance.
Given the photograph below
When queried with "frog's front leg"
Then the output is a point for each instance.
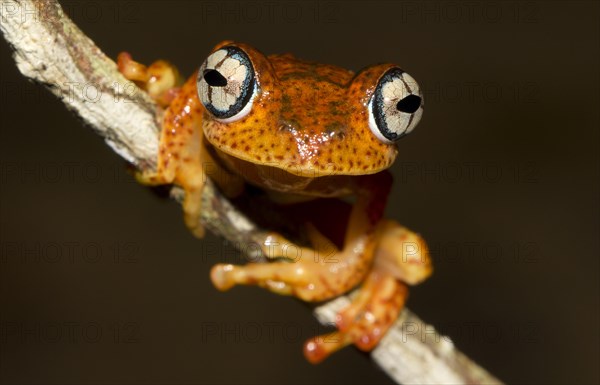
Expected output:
(181, 153)
(322, 272)
(281, 278)
(315, 275)
(181, 148)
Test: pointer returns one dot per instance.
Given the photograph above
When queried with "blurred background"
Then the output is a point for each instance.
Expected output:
(100, 281)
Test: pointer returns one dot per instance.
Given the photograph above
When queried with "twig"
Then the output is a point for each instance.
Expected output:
(50, 49)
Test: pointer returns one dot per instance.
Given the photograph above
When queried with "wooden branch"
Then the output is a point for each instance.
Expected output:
(51, 50)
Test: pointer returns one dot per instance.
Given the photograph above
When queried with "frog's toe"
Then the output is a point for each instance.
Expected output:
(199, 232)
(131, 69)
(385, 300)
(195, 227)
(221, 276)
(320, 347)
(314, 352)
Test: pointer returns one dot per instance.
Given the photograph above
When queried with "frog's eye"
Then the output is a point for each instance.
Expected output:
(396, 106)
(227, 84)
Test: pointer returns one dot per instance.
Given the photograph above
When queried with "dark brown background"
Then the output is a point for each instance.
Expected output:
(501, 177)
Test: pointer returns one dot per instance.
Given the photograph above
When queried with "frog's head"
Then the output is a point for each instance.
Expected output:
(307, 118)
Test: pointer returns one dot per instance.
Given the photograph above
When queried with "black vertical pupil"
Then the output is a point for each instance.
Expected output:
(214, 78)
(409, 104)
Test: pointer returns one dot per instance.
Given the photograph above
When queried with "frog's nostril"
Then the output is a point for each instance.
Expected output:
(409, 104)
(214, 78)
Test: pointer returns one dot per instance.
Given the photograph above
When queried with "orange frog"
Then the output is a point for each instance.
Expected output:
(298, 130)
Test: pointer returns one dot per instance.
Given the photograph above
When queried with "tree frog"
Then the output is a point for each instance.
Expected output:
(299, 130)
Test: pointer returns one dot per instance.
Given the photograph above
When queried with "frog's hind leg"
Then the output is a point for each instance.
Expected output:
(401, 258)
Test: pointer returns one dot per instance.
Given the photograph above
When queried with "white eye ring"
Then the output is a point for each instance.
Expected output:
(395, 107)
(227, 84)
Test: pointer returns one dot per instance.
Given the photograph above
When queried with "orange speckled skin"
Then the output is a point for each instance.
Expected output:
(306, 135)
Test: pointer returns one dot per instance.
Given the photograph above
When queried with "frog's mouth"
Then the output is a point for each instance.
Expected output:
(297, 161)
(271, 177)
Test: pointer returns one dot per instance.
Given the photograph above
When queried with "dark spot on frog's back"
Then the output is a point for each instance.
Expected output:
(286, 103)
(335, 108)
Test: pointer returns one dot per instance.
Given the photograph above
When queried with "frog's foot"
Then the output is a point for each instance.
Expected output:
(401, 258)
(310, 273)
(161, 79)
(365, 321)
